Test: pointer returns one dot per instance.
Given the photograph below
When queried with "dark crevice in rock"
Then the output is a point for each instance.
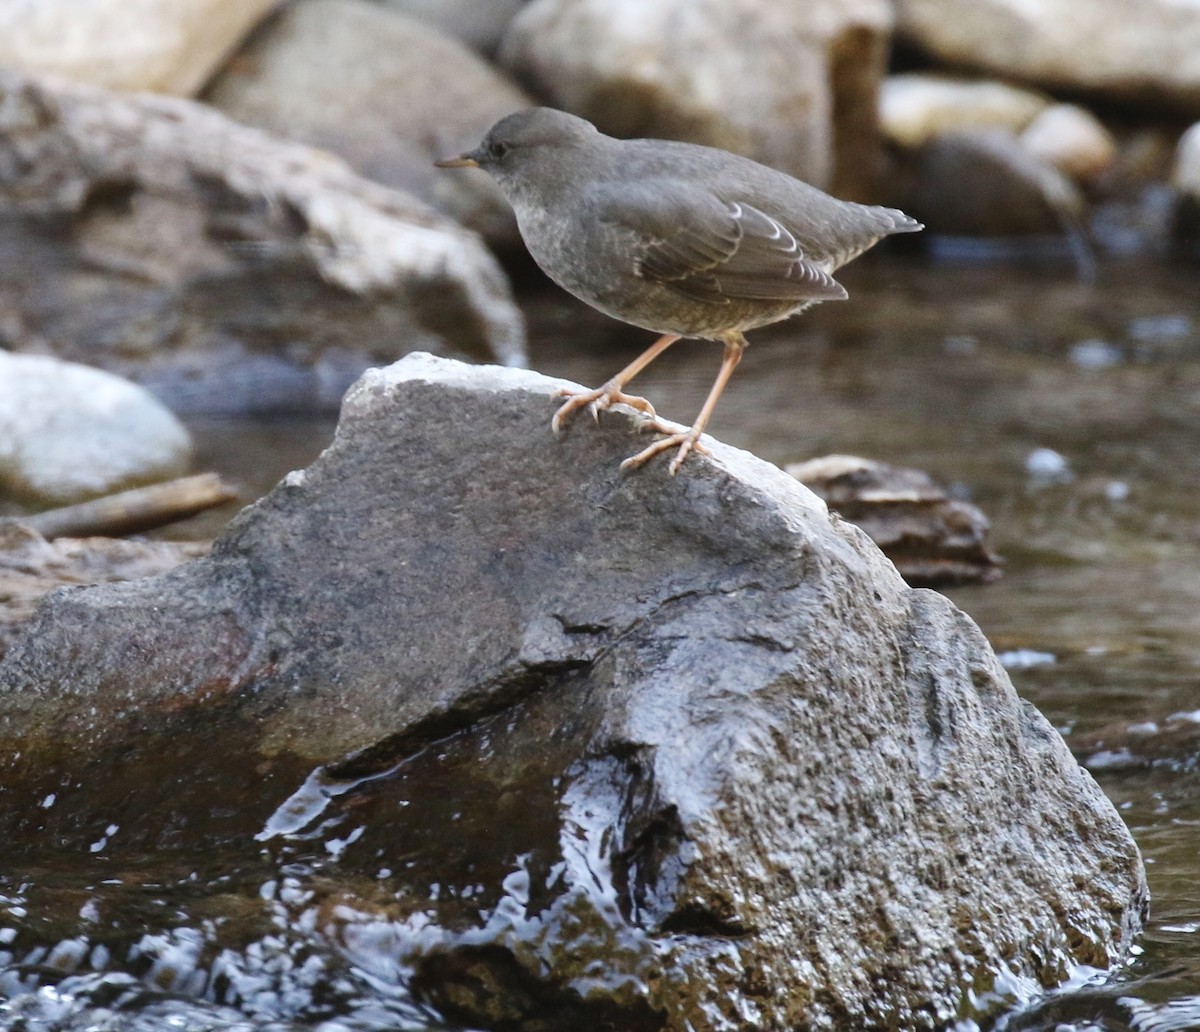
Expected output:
(581, 628)
(764, 641)
(473, 707)
(111, 194)
(701, 921)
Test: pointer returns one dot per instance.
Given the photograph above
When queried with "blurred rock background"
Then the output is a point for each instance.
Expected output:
(254, 241)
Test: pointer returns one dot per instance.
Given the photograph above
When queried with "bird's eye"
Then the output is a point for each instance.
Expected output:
(498, 150)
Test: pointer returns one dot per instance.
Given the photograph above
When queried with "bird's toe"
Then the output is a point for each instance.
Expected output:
(687, 442)
(575, 401)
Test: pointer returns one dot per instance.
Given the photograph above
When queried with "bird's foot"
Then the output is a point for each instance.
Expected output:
(596, 402)
(687, 440)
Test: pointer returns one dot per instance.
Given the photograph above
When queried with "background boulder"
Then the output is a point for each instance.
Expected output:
(1133, 51)
(68, 432)
(382, 90)
(752, 76)
(226, 269)
(166, 46)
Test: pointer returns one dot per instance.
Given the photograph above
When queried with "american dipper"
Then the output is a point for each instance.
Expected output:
(684, 240)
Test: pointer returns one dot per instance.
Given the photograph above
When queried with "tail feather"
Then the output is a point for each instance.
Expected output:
(898, 222)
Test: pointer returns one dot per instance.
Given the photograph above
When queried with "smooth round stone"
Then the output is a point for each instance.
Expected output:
(70, 432)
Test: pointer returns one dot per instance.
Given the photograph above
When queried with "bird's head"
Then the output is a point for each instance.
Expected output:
(524, 144)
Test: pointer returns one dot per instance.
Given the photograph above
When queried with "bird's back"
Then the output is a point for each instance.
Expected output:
(827, 228)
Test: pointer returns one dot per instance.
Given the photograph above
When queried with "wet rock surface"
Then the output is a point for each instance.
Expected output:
(650, 752)
(227, 270)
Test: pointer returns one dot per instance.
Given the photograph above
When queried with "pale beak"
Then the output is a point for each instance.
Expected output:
(462, 161)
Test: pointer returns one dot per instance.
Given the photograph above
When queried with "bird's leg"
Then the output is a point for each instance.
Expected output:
(612, 392)
(688, 440)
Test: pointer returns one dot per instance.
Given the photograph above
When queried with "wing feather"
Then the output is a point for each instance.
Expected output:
(712, 249)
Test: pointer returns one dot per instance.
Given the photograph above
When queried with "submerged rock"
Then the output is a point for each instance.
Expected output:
(225, 269)
(933, 539)
(620, 750)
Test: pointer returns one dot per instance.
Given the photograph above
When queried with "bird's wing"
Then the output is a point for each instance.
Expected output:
(709, 248)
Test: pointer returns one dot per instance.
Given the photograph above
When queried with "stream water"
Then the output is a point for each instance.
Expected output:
(1070, 412)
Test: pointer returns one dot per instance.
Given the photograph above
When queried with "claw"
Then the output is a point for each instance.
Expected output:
(596, 402)
(574, 402)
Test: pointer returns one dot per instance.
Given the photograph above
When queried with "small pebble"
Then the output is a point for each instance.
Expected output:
(1160, 327)
(1096, 354)
(1048, 465)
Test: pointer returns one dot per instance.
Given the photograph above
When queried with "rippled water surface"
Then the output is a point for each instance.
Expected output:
(1069, 412)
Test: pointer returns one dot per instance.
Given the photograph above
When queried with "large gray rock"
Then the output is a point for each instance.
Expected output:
(757, 77)
(69, 432)
(220, 266)
(1145, 51)
(160, 45)
(382, 90)
(478, 23)
(674, 753)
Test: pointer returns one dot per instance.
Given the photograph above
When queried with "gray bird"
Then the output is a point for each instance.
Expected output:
(680, 239)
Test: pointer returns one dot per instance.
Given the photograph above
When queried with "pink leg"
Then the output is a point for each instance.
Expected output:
(688, 440)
